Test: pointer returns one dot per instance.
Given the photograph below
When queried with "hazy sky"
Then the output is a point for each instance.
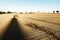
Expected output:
(29, 5)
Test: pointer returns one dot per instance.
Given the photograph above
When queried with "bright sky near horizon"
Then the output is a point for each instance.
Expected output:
(29, 5)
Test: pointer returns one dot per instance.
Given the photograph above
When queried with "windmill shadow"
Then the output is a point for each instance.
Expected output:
(13, 31)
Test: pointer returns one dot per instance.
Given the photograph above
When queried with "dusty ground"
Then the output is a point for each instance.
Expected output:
(34, 26)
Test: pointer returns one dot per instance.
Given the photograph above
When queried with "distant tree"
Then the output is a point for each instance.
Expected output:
(53, 11)
(2, 12)
(26, 12)
(30, 12)
(9, 12)
(21, 12)
(57, 11)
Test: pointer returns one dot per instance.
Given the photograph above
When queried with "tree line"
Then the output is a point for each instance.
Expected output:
(2, 12)
(56, 11)
(9, 12)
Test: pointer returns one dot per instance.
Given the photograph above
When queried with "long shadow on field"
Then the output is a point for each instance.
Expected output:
(13, 31)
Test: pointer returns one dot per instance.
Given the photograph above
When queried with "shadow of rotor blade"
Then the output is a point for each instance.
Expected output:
(13, 31)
